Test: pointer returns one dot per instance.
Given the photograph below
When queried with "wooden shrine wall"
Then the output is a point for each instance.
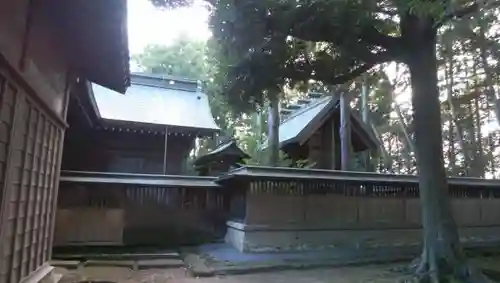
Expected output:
(124, 152)
(30, 152)
(33, 97)
(356, 211)
(92, 214)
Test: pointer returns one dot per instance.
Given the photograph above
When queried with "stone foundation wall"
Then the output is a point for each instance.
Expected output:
(248, 238)
(287, 222)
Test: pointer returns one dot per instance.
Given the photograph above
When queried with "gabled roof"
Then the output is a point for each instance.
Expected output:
(299, 126)
(228, 148)
(161, 100)
(300, 123)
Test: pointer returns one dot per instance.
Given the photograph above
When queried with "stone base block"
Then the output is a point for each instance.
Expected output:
(265, 238)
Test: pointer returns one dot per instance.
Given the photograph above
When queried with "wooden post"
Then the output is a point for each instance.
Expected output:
(345, 130)
(273, 134)
(165, 152)
(366, 119)
(333, 150)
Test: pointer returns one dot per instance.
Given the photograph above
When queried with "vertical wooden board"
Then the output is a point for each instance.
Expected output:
(382, 212)
(15, 215)
(30, 155)
(413, 216)
(43, 186)
(331, 210)
(90, 226)
(490, 211)
(269, 208)
(36, 236)
(63, 226)
(52, 184)
(53, 192)
(466, 211)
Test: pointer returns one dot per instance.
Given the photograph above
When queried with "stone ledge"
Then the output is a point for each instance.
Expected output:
(68, 264)
(305, 228)
(42, 274)
(210, 262)
(118, 256)
(319, 227)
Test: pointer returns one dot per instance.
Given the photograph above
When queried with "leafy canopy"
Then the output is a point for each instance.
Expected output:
(267, 43)
(264, 44)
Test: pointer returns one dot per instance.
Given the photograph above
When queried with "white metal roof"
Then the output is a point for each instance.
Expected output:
(151, 104)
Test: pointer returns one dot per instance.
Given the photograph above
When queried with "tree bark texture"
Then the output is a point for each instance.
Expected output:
(442, 256)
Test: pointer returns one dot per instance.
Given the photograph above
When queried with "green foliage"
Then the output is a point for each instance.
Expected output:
(191, 59)
(258, 43)
(184, 58)
(260, 158)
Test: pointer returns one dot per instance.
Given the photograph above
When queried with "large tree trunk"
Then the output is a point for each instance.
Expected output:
(442, 254)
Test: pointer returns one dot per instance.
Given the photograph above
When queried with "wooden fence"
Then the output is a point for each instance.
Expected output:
(266, 208)
(281, 208)
(136, 209)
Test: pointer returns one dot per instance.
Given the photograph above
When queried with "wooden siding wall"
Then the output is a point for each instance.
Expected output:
(30, 152)
(124, 152)
(320, 147)
(35, 54)
(138, 215)
(299, 210)
(33, 96)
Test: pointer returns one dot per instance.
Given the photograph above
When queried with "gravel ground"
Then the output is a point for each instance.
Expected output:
(179, 275)
(359, 274)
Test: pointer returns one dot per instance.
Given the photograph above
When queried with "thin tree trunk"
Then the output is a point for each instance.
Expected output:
(490, 89)
(273, 124)
(450, 83)
(491, 146)
(391, 151)
(451, 148)
(404, 128)
(385, 156)
(479, 166)
(442, 252)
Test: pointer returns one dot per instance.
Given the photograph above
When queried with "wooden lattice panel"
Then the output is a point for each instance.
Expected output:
(29, 182)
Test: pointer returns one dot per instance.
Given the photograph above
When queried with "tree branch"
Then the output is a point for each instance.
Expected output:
(330, 24)
(467, 10)
(325, 75)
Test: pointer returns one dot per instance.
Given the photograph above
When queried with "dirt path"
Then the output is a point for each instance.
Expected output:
(179, 275)
(360, 274)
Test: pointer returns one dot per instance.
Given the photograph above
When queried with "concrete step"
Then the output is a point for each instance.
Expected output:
(114, 263)
(68, 264)
(133, 264)
(124, 256)
(159, 263)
